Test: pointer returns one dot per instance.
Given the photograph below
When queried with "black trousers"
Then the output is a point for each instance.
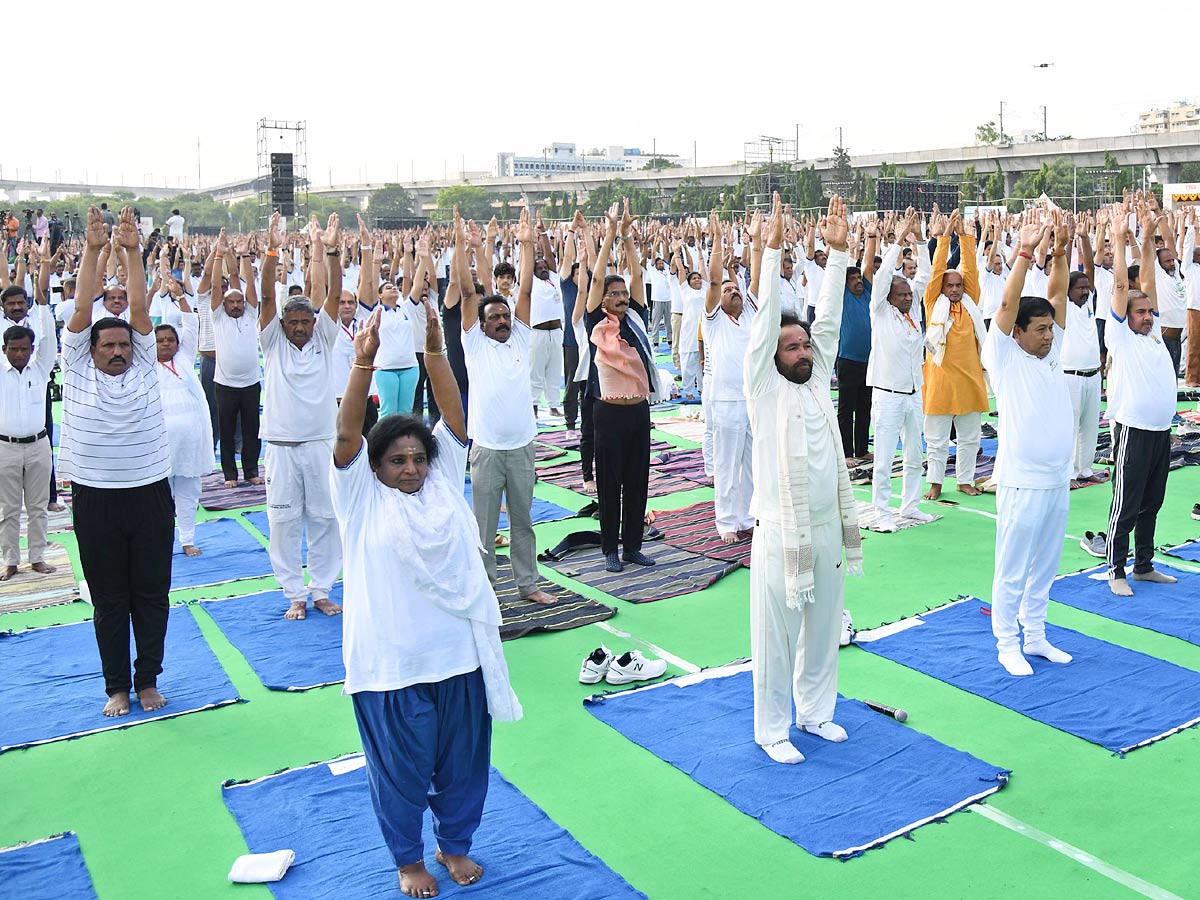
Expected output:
(854, 406)
(208, 372)
(587, 434)
(125, 537)
(50, 433)
(1143, 459)
(622, 472)
(234, 406)
(419, 398)
(575, 389)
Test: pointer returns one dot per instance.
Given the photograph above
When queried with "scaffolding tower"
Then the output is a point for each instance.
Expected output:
(277, 136)
(770, 165)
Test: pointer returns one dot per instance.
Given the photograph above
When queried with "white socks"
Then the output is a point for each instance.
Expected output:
(1046, 650)
(1120, 587)
(1156, 576)
(885, 522)
(830, 731)
(783, 752)
(1014, 662)
(917, 515)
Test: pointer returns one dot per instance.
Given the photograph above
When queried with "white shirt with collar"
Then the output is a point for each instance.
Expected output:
(1081, 343)
(298, 391)
(500, 416)
(1172, 296)
(23, 394)
(545, 300)
(237, 347)
(396, 350)
(726, 341)
(1035, 407)
(1191, 270)
(1141, 377)
(897, 345)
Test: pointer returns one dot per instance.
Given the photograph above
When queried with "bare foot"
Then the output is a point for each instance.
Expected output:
(970, 490)
(191, 550)
(851, 462)
(255, 480)
(463, 869)
(55, 507)
(298, 610)
(151, 699)
(710, 481)
(43, 568)
(327, 606)
(728, 537)
(589, 487)
(501, 541)
(231, 484)
(117, 705)
(935, 491)
(7, 572)
(541, 597)
(415, 881)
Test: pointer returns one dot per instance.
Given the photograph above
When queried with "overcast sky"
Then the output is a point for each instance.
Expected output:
(392, 91)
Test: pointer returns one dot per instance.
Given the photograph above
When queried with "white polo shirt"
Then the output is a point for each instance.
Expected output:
(114, 435)
(546, 302)
(1034, 403)
(298, 395)
(237, 347)
(500, 416)
(23, 394)
(1081, 344)
(693, 309)
(396, 336)
(1141, 380)
(726, 341)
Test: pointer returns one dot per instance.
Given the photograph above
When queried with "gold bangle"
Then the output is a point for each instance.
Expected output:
(364, 368)
(441, 352)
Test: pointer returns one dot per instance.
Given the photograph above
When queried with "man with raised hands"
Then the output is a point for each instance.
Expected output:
(803, 503)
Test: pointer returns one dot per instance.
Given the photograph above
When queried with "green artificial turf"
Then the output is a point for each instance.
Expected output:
(146, 801)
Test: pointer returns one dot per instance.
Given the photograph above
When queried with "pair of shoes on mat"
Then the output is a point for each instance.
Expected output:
(602, 664)
(1196, 511)
(1095, 543)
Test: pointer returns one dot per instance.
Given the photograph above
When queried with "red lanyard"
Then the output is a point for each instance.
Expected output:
(171, 365)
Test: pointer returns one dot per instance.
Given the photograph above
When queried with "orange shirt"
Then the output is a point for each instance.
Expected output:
(956, 386)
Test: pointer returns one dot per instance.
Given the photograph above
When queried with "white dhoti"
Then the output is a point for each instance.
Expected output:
(1030, 526)
(298, 499)
(1085, 406)
(186, 491)
(794, 650)
(545, 366)
(937, 437)
(733, 456)
(897, 417)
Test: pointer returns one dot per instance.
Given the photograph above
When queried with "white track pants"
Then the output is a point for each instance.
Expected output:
(896, 417)
(545, 366)
(937, 436)
(298, 498)
(186, 491)
(794, 650)
(733, 450)
(1085, 404)
(1030, 526)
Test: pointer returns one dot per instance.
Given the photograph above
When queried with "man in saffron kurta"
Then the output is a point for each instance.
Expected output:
(955, 394)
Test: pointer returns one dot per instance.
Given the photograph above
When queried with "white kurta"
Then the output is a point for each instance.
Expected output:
(794, 650)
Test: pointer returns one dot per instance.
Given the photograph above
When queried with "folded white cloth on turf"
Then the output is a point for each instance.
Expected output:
(255, 868)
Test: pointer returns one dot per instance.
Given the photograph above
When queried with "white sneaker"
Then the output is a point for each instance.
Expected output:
(1094, 544)
(847, 634)
(632, 666)
(830, 731)
(595, 666)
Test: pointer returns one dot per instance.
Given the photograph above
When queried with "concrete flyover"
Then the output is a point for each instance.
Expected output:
(55, 190)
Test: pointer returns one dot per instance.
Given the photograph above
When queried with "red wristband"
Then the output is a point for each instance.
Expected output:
(1028, 256)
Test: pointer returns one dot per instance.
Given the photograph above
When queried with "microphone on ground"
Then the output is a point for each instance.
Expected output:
(898, 714)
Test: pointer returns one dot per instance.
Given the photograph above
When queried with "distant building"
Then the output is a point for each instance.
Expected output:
(562, 159)
(1180, 117)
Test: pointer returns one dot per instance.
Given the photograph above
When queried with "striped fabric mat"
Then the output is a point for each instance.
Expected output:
(868, 518)
(215, 496)
(675, 572)
(568, 475)
(693, 528)
(688, 463)
(29, 590)
(522, 617)
(688, 429)
(546, 453)
(55, 521)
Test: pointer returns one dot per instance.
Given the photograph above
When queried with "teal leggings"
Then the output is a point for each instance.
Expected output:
(397, 387)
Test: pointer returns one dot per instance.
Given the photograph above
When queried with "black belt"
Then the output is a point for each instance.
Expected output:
(549, 326)
(890, 391)
(1082, 373)
(25, 440)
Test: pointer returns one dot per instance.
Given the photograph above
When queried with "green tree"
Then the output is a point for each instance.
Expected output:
(931, 172)
(612, 191)
(392, 201)
(993, 189)
(473, 202)
(970, 184)
(692, 196)
(659, 162)
(842, 172)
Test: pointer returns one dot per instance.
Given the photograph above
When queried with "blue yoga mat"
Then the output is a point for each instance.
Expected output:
(230, 552)
(540, 511)
(327, 819)
(52, 869)
(1166, 608)
(1111, 696)
(1189, 551)
(260, 521)
(51, 687)
(285, 655)
(844, 799)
